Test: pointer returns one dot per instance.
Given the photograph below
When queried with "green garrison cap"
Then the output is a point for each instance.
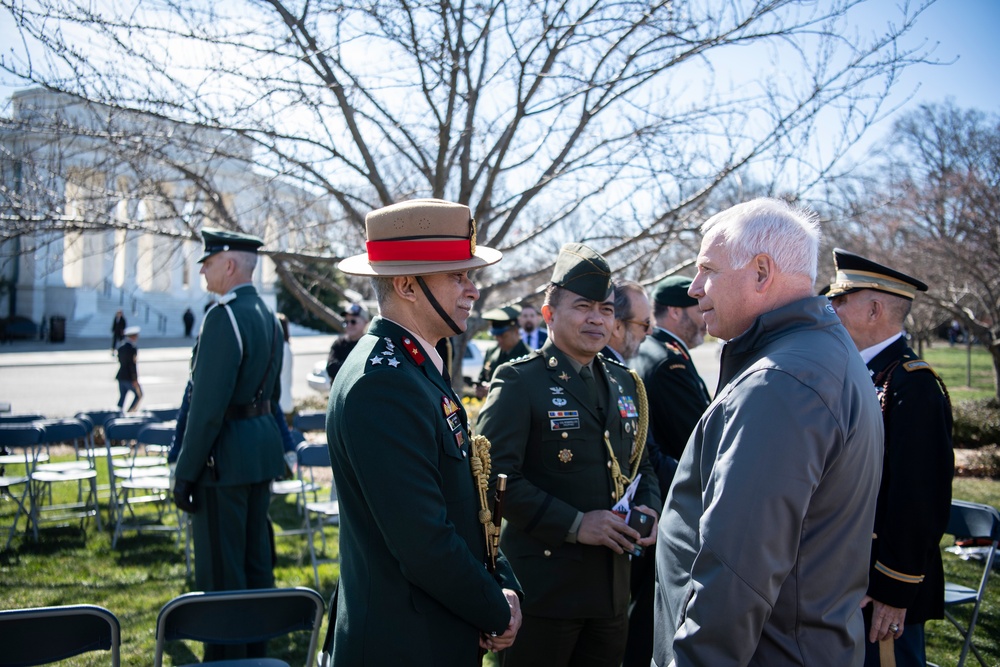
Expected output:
(582, 271)
(673, 291)
(855, 272)
(501, 319)
(221, 240)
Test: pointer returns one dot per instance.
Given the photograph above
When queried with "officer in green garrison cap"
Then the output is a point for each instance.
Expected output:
(415, 524)
(906, 580)
(505, 329)
(232, 448)
(568, 428)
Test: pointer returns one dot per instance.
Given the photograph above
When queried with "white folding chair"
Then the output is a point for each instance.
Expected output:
(23, 436)
(139, 480)
(981, 523)
(241, 617)
(46, 475)
(319, 513)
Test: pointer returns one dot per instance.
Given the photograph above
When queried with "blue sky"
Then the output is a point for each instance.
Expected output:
(964, 31)
(968, 30)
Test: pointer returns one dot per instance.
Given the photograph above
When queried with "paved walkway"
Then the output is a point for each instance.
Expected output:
(98, 350)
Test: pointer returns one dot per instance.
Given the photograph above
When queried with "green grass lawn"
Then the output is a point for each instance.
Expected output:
(953, 364)
(70, 566)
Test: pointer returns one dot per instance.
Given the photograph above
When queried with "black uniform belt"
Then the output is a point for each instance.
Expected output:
(248, 411)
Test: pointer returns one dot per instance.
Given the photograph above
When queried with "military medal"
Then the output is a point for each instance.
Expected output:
(565, 455)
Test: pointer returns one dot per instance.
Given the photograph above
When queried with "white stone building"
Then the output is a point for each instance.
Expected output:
(100, 210)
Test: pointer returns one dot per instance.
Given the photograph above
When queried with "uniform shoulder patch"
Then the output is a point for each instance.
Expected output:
(917, 365)
(534, 354)
(611, 361)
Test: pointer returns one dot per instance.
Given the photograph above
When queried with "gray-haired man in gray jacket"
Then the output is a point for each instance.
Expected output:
(766, 532)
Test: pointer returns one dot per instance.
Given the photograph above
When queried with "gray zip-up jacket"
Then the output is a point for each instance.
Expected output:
(762, 556)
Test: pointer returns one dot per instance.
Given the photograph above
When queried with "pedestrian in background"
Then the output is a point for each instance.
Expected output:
(128, 370)
(287, 404)
(355, 325)
(188, 318)
(532, 334)
(117, 330)
(504, 329)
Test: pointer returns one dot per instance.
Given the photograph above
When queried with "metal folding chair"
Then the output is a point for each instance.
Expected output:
(978, 522)
(241, 617)
(23, 436)
(310, 420)
(46, 475)
(319, 513)
(141, 480)
(45, 635)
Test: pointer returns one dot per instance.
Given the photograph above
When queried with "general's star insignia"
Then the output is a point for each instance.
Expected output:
(376, 360)
(394, 362)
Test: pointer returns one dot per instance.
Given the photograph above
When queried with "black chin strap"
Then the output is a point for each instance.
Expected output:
(437, 306)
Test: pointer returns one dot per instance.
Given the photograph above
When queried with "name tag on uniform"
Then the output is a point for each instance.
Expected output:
(564, 420)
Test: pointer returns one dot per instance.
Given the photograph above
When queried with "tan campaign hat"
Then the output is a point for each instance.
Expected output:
(417, 238)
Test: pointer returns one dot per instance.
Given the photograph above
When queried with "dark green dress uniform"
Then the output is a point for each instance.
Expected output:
(677, 394)
(549, 439)
(413, 587)
(914, 500)
(230, 525)
(677, 398)
(495, 357)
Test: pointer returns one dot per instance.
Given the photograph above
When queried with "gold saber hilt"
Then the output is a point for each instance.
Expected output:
(497, 519)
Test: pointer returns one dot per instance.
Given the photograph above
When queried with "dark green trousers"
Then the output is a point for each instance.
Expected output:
(232, 548)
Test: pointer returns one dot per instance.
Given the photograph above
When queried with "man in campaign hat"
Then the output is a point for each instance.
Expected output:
(232, 448)
(128, 371)
(505, 329)
(413, 586)
(567, 428)
(677, 398)
(906, 580)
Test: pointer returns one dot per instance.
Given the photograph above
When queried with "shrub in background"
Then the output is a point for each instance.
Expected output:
(977, 423)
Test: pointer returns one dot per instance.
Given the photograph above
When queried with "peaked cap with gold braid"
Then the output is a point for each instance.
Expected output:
(854, 273)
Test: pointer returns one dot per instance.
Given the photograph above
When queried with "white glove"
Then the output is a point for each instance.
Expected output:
(291, 460)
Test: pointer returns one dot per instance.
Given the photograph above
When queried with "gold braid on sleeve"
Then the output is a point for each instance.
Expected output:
(481, 468)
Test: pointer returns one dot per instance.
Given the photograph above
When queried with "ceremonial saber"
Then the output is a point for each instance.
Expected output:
(497, 519)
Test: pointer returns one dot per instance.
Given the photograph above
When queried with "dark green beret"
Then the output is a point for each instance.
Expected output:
(221, 240)
(582, 271)
(673, 291)
(501, 319)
